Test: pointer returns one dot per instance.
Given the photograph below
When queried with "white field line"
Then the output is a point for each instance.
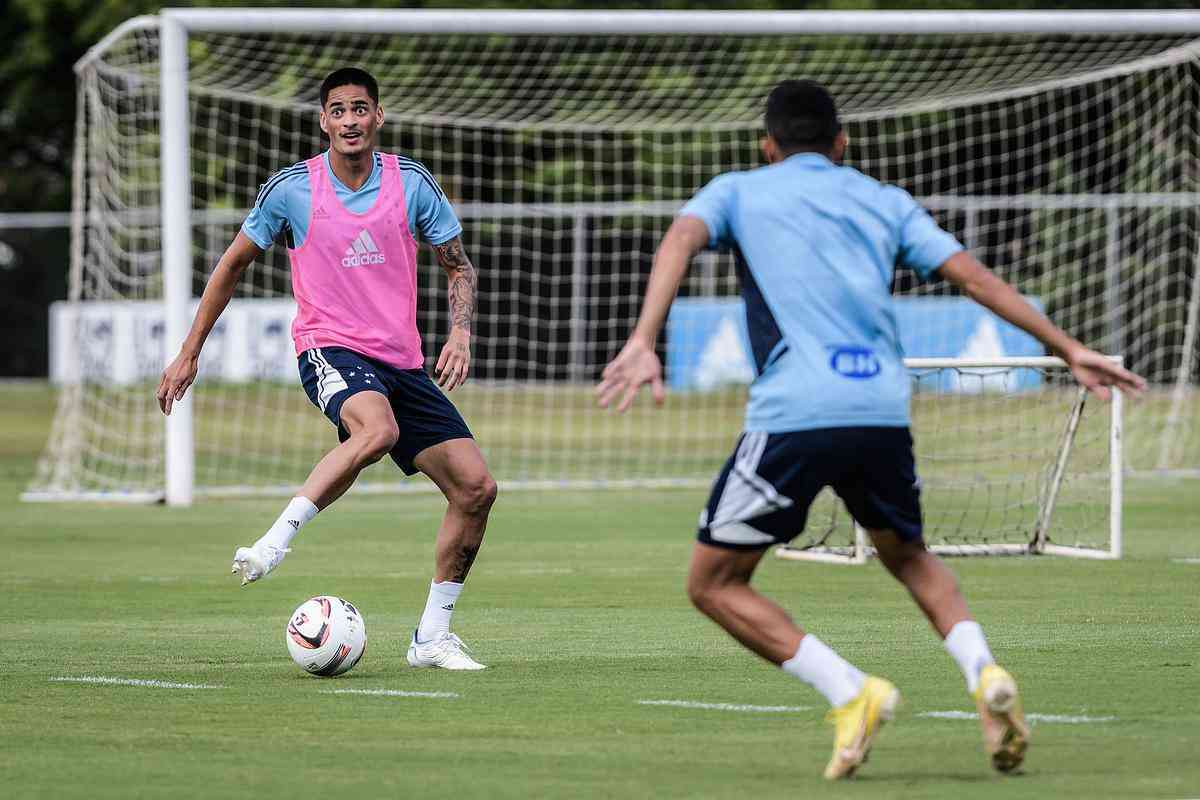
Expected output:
(153, 684)
(1186, 560)
(949, 714)
(723, 706)
(1068, 719)
(389, 693)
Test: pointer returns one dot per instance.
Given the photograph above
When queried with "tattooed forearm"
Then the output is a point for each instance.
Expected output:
(462, 297)
(463, 281)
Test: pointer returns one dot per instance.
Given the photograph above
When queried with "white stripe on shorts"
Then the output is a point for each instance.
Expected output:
(316, 365)
(739, 533)
(329, 380)
(746, 495)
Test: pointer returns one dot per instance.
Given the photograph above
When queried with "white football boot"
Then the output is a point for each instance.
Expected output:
(256, 561)
(446, 651)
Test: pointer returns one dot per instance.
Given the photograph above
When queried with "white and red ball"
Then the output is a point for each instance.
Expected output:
(326, 636)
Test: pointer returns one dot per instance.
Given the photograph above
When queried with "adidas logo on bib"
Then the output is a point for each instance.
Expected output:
(362, 251)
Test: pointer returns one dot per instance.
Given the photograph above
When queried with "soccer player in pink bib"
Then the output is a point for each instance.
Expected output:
(350, 217)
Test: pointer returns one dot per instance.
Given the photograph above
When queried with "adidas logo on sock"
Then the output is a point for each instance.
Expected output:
(448, 607)
(362, 251)
(295, 523)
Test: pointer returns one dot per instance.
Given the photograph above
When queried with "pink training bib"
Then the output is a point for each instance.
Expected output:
(355, 275)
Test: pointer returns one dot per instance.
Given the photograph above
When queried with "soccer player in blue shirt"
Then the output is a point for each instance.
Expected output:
(817, 245)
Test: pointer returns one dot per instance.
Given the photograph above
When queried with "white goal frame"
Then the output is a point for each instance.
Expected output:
(175, 25)
(1039, 542)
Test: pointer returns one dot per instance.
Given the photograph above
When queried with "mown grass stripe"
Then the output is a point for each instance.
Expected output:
(151, 683)
(1067, 719)
(390, 693)
(723, 706)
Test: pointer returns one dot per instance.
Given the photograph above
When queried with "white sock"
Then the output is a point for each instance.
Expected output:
(299, 511)
(438, 608)
(968, 647)
(826, 671)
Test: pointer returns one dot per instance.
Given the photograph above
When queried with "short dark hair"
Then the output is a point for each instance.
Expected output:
(801, 115)
(349, 76)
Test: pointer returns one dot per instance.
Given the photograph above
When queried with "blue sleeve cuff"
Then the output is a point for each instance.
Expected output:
(933, 254)
(254, 237)
(455, 231)
(713, 236)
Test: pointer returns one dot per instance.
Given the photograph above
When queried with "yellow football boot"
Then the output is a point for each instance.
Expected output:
(1005, 734)
(857, 723)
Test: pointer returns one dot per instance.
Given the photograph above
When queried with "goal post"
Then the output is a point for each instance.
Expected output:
(175, 198)
(1058, 145)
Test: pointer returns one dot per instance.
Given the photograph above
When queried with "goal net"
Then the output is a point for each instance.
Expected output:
(1013, 457)
(1064, 159)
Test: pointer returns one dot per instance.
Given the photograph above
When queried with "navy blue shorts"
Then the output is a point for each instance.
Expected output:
(425, 417)
(764, 491)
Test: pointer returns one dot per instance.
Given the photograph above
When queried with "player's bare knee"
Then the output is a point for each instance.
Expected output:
(476, 495)
(376, 442)
(491, 490)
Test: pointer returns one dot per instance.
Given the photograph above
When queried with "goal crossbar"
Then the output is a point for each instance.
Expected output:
(649, 23)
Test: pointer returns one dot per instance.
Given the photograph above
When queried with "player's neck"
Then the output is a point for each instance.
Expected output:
(353, 171)
(786, 154)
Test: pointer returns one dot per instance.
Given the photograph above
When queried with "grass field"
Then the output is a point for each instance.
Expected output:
(576, 604)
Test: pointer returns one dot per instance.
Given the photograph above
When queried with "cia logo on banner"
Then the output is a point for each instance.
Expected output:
(272, 345)
(984, 343)
(149, 344)
(724, 359)
(707, 345)
(95, 333)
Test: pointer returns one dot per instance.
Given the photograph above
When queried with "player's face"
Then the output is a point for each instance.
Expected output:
(351, 119)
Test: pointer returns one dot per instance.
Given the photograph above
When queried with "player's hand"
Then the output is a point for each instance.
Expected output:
(636, 365)
(1097, 373)
(455, 360)
(175, 380)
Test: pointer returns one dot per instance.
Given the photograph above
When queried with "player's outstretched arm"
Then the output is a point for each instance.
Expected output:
(180, 373)
(455, 359)
(637, 364)
(1091, 369)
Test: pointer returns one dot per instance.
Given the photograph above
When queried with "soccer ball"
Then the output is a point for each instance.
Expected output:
(326, 636)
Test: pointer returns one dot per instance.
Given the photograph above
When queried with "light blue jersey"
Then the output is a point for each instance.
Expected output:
(817, 246)
(284, 203)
